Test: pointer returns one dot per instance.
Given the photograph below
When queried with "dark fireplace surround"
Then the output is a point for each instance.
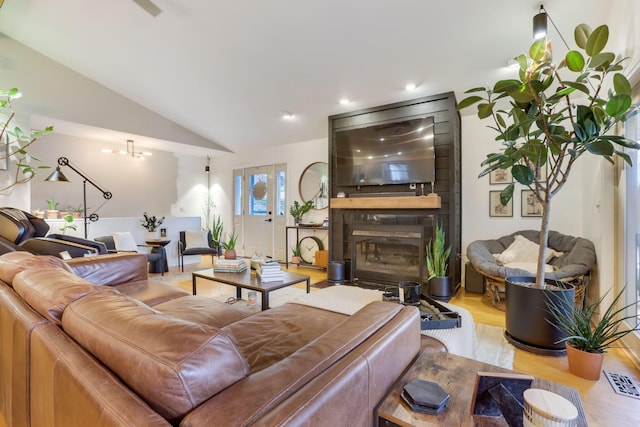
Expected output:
(382, 246)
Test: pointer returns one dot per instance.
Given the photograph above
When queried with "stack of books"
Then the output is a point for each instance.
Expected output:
(269, 271)
(230, 266)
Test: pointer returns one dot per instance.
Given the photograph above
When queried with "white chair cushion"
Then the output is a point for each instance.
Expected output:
(196, 239)
(523, 250)
(124, 241)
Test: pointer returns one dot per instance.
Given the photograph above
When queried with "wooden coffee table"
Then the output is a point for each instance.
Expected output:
(248, 280)
(457, 376)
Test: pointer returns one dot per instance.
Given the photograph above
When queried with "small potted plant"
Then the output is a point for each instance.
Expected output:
(230, 245)
(217, 233)
(296, 253)
(437, 259)
(52, 212)
(297, 210)
(68, 224)
(587, 337)
(151, 223)
(76, 211)
(38, 213)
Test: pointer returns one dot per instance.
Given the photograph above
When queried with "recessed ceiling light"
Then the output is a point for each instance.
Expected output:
(287, 115)
(344, 101)
(410, 86)
(106, 150)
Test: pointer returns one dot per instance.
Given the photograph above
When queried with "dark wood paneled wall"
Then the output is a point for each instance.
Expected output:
(448, 169)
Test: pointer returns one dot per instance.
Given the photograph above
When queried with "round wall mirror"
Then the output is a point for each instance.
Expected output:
(314, 185)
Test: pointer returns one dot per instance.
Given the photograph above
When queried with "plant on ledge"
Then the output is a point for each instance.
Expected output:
(68, 224)
(297, 210)
(554, 119)
(18, 141)
(151, 223)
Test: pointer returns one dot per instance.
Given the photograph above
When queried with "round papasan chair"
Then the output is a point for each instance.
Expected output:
(568, 258)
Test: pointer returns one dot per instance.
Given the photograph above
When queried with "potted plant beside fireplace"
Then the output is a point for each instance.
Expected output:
(437, 258)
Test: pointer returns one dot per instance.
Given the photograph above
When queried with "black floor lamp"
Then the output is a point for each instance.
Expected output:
(57, 175)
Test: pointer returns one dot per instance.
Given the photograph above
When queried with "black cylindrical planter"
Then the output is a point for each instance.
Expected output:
(409, 293)
(440, 287)
(527, 315)
(335, 271)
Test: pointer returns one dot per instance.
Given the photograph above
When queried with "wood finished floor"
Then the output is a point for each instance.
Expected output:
(602, 406)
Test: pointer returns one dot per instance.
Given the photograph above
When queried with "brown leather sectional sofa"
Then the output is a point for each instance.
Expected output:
(92, 341)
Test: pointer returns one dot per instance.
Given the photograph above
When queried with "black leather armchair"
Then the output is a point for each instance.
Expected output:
(16, 226)
(157, 257)
(99, 247)
(184, 250)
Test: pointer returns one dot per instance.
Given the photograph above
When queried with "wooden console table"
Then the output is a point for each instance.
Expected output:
(457, 376)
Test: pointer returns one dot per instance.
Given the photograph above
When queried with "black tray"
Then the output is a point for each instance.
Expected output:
(444, 318)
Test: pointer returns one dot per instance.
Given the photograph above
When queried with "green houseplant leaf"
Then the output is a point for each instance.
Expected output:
(555, 113)
(437, 256)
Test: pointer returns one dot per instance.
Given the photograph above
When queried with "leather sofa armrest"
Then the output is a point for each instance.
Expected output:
(111, 269)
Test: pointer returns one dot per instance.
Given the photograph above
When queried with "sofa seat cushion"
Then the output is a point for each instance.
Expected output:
(12, 263)
(49, 290)
(150, 292)
(199, 309)
(270, 336)
(174, 365)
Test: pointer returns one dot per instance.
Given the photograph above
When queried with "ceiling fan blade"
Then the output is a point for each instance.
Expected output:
(148, 6)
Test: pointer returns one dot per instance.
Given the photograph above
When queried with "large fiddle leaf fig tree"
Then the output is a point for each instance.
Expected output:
(556, 113)
(16, 141)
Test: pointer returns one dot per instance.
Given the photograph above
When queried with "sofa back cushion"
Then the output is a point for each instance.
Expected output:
(48, 290)
(12, 263)
(174, 365)
(111, 269)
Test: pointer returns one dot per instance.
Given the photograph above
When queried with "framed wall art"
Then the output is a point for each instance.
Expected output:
(500, 176)
(531, 206)
(498, 209)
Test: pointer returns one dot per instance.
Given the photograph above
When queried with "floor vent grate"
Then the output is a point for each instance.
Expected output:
(623, 385)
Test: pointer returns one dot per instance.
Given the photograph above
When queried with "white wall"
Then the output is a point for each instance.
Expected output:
(477, 142)
(297, 157)
(137, 185)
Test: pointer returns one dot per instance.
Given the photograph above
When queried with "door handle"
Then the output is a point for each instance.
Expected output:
(268, 220)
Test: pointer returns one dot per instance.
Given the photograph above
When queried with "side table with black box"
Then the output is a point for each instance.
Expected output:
(457, 376)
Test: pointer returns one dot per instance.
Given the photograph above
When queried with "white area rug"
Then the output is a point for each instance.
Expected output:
(492, 347)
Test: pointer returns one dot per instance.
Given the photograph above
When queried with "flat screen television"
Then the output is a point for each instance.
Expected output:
(392, 153)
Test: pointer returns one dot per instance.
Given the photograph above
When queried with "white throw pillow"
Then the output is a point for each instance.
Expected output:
(196, 239)
(523, 250)
(124, 241)
(531, 267)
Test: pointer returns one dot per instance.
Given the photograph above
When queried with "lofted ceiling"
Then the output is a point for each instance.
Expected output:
(227, 70)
